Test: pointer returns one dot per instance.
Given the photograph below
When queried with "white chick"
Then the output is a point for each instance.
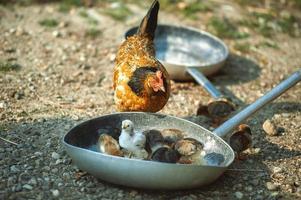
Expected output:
(132, 141)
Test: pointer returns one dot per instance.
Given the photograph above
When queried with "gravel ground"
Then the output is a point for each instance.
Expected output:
(64, 75)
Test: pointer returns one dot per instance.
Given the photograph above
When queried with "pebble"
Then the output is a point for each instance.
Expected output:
(58, 161)
(256, 150)
(277, 170)
(239, 195)
(55, 193)
(55, 170)
(271, 186)
(19, 95)
(255, 182)
(56, 34)
(55, 155)
(17, 188)
(14, 169)
(28, 187)
(3, 105)
(63, 24)
(270, 128)
(249, 188)
(274, 194)
(33, 181)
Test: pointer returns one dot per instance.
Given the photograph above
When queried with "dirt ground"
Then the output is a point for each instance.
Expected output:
(54, 76)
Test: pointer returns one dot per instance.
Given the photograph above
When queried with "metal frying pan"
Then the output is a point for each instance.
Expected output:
(189, 53)
(81, 141)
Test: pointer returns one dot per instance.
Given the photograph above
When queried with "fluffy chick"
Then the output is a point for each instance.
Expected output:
(141, 82)
(171, 136)
(218, 110)
(241, 140)
(109, 145)
(154, 140)
(191, 151)
(166, 154)
(132, 141)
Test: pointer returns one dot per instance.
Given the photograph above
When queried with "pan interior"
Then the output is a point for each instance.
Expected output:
(86, 134)
(188, 47)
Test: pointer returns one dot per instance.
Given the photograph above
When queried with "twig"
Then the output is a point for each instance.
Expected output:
(246, 170)
(8, 141)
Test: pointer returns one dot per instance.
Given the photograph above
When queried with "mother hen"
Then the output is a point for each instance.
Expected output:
(141, 82)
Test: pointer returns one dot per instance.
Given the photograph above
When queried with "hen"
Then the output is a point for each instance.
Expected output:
(141, 82)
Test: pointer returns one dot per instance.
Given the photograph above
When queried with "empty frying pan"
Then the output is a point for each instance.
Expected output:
(81, 141)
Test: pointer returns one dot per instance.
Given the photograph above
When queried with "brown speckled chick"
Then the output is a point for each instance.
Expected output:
(141, 83)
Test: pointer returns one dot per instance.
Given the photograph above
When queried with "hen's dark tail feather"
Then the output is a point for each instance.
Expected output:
(149, 23)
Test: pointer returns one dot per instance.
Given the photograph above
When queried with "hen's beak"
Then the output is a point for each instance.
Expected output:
(162, 88)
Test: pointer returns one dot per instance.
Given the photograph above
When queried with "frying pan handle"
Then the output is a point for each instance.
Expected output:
(202, 80)
(237, 119)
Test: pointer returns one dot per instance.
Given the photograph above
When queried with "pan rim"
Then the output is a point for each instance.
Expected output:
(106, 156)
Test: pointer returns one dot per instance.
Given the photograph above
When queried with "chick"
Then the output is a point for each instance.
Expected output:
(166, 154)
(218, 110)
(108, 145)
(140, 81)
(154, 140)
(241, 139)
(132, 141)
(191, 151)
(171, 136)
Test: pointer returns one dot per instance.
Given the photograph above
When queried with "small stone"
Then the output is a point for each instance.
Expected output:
(55, 193)
(58, 161)
(63, 24)
(249, 188)
(133, 193)
(274, 194)
(3, 105)
(270, 128)
(55, 155)
(27, 187)
(239, 195)
(19, 95)
(256, 150)
(20, 31)
(14, 169)
(112, 57)
(33, 181)
(56, 34)
(18, 188)
(55, 170)
(87, 67)
(277, 170)
(255, 182)
(271, 186)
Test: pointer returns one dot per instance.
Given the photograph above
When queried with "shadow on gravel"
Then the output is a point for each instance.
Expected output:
(237, 70)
